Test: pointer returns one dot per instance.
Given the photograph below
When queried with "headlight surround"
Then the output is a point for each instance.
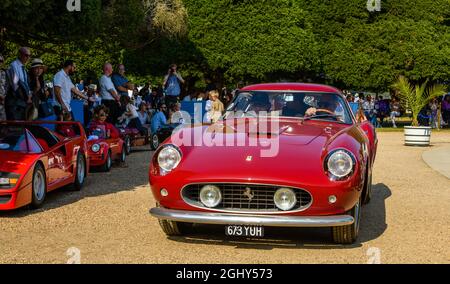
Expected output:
(340, 164)
(95, 148)
(210, 196)
(169, 157)
(284, 199)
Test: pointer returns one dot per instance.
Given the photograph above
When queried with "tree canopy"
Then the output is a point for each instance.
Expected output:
(336, 42)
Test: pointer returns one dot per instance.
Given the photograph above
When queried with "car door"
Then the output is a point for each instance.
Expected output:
(114, 144)
(58, 164)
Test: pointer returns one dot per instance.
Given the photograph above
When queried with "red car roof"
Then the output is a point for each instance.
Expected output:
(291, 87)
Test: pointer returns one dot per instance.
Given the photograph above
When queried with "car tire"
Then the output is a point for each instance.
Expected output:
(123, 154)
(348, 234)
(39, 187)
(172, 228)
(155, 142)
(80, 172)
(108, 163)
(127, 145)
(367, 193)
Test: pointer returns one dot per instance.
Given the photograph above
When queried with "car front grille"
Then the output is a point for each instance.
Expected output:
(235, 197)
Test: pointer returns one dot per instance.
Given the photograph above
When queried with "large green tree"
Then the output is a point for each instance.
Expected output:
(101, 31)
(258, 40)
(367, 50)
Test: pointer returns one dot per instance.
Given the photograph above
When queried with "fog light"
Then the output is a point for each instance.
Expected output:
(164, 192)
(332, 199)
(210, 196)
(285, 199)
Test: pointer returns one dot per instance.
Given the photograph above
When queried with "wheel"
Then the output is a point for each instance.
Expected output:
(127, 145)
(108, 164)
(367, 193)
(123, 154)
(80, 173)
(349, 233)
(155, 142)
(172, 228)
(39, 187)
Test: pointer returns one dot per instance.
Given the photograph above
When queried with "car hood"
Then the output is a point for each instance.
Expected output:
(16, 162)
(286, 148)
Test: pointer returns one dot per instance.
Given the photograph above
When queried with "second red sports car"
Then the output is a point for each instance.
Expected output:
(105, 148)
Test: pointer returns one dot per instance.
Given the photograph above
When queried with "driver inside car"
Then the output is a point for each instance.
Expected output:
(326, 104)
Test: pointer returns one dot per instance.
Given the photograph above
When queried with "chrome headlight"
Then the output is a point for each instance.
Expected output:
(95, 148)
(169, 157)
(210, 196)
(285, 199)
(340, 164)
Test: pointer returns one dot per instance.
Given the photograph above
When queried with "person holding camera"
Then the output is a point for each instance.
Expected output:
(172, 85)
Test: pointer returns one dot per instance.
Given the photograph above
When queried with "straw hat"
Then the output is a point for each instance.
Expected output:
(37, 62)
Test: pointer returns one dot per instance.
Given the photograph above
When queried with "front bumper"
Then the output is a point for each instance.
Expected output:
(260, 220)
(96, 159)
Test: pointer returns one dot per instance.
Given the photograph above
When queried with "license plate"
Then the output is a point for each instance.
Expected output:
(244, 231)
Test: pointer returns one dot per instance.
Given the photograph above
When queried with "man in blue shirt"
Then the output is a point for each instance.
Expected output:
(120, 82)
(172, 85)
(159, 118)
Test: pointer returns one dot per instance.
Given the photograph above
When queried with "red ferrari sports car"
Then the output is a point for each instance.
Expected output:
(35, 160)
(284, 155)
(104, 149)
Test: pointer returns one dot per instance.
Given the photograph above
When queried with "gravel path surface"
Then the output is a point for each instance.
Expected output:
(408, 221)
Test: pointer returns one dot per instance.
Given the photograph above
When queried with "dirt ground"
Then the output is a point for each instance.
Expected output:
(408, 221)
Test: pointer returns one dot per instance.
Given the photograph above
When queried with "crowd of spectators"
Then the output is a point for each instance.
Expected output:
(386, 111)
(112, 99)
(24, 95)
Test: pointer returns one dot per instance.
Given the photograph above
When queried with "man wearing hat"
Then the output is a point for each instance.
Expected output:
(3, 86)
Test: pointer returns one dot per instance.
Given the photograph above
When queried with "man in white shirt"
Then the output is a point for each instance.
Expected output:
(63, 89)
(110, 97)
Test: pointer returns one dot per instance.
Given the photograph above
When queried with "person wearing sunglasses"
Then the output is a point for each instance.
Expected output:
(99, 122)
(159, 118)
(121, 83)
(19, 96)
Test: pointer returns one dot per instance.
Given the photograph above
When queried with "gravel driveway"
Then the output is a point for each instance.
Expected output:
(408, 221)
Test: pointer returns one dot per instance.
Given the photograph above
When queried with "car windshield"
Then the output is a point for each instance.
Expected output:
(17, 139)
(321, 106)
(99, 131)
